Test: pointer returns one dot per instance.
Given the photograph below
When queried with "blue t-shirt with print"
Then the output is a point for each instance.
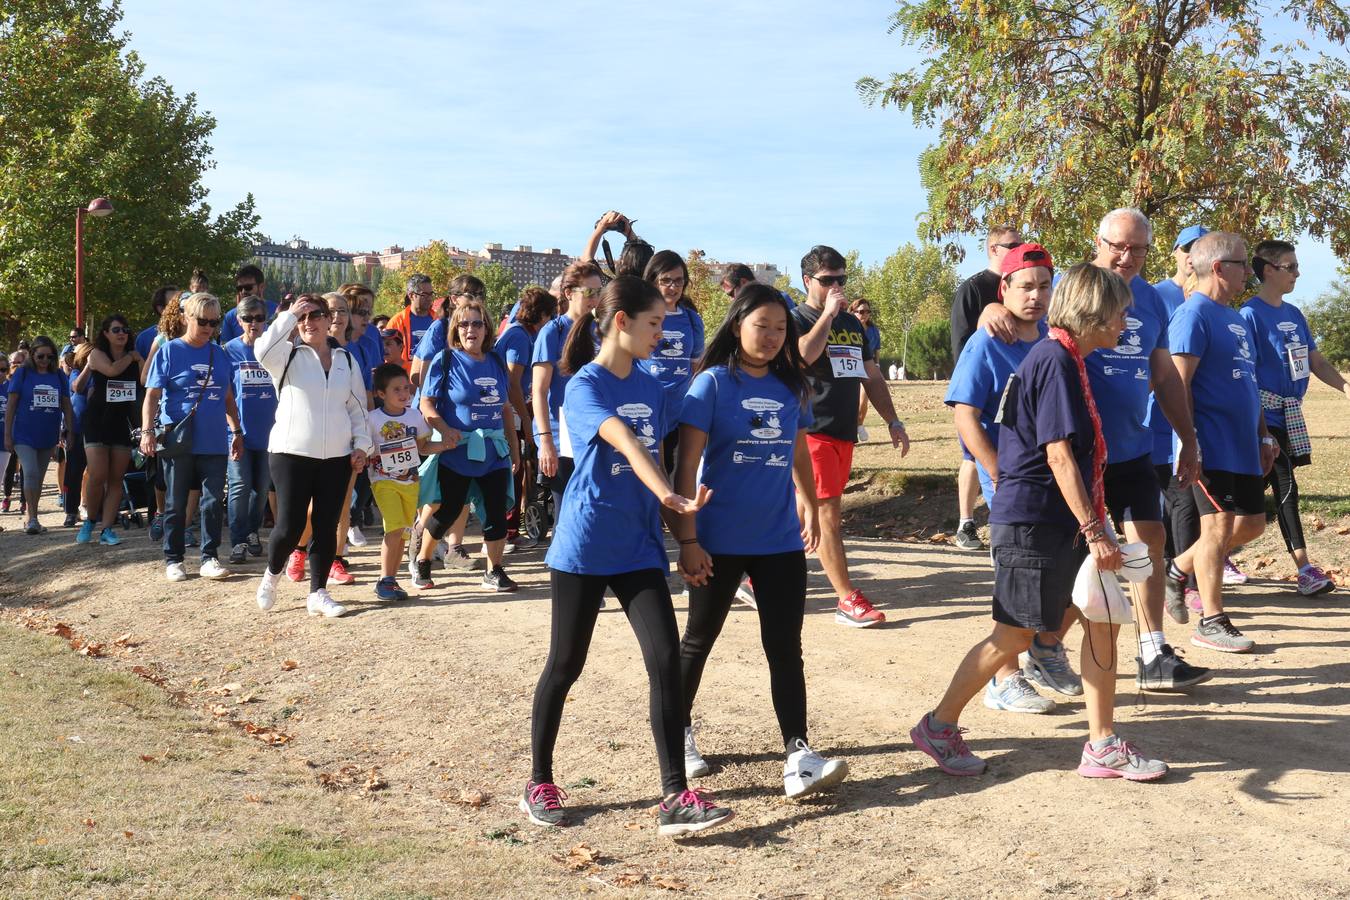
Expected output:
(1045, 404)
(609, 522)
(1281, 337)
(1223, 388)
(752, 424)
(1172, 296)
(978, 380)
(182, 372)
(36, 398)
(515, 347)
(548, 345)
(230, 327)
(254, 394)
(872, 335)
(145, 339)
(672, 362)
(469, 394)
(1120, 376)
(79, 402)
(420, 327)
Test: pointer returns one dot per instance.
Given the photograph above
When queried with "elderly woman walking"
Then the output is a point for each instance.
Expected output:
(1048, 514)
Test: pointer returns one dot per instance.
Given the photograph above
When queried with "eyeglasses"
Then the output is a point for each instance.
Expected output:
(1009, 245)
(313, 314)
(1236, 262)
(361, 311)
(473, 295)
(475, 323)
(1123, 250)
(208, 323)
(587, 292)
(76, 336)
(425, 295)
(245, 288)
(118, 329)
(671, 282)
(831, 280)
(42, 357)
(253, 319)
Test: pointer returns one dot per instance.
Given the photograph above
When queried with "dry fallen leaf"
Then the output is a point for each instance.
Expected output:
(288, 665)
(145, 757)
(252, 798)
(633, 826)
(128, 835)
(473, 799)
(225, 690)
(582, 857)
(62, 630)
(628, 879)
(374, 782)
(938, 538)
(1344, 529)
(220, 710)
(125, 640)
(1318, 524)
(670, 883)
(88, 823)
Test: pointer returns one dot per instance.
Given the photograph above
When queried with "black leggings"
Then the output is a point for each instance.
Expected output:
(1282, 481)
(1181, 516)
(495, 485)
(302, 482)
(73, 488)
(11, 471)
(779, 581)
(645, 599)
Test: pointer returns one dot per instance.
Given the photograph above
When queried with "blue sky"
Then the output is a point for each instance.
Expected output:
(729, 126)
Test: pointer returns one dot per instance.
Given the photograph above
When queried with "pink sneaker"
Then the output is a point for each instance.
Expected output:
(1313, 581)
(857, 611)
(1193, 600)
(1119, 759)
(1231, 573)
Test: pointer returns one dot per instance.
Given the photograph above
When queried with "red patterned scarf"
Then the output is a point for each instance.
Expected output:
(1099, 443)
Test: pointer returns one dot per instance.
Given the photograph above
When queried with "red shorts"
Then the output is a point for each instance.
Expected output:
(831, 462)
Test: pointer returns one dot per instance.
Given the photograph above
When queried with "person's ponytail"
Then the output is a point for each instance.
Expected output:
(579, 348)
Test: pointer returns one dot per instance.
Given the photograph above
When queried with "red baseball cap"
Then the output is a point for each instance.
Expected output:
(1024, 256)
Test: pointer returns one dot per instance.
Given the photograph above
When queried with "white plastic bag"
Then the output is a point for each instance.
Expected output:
(1099, 596)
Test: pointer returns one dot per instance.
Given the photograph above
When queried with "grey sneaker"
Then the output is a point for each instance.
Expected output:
(1050, 668)
(543, 804)
(690, 812)
(1015, 695)
(1119, 759)
(459, 558)
(238, 554)
(947, 748)
(1217, 633)
(967, 538)
(1169, 672)
(1175, 600)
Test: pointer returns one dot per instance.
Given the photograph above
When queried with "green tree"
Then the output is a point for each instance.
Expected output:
(79, 119)
(501, 290)
(784, 284)
(930, 350)
(913, 286)
(1329, 318)
(433, 260)
(1052, 112)
(706, 292)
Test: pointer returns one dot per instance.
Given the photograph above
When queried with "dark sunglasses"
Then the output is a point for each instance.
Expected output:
(313, 314)
(1009, 245)
(249, 320)
(240, 288)
(831, 280)
(208, 323)
(361, 311)
(43, 357)
(476, 323)
(118, 329)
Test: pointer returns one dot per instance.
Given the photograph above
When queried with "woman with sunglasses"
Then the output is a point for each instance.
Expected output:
(37, 412)
(111, 380)
(191, 377)
(681, 345)
(249, 478)
(172, 325)
(319, 439)
(465, 400)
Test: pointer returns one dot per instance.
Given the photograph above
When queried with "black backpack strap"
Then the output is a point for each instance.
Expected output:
(287, 369)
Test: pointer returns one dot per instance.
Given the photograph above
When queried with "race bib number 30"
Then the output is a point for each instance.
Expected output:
(846, 362)
(121, 391)
(1298, 362)
(397, 457)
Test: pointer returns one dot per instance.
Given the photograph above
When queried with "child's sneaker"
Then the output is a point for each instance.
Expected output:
(422, 575)
(387, 589)
(690, 812)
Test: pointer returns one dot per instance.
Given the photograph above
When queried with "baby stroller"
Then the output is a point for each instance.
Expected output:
(537, 517)
(136, 493)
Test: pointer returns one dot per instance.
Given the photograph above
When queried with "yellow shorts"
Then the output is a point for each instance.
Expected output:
(397, 501)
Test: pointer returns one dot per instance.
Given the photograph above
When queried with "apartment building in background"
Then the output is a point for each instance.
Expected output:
(527, 265)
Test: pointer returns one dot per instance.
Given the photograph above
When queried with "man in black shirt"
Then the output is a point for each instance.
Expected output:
(834, 346)
(977, 306)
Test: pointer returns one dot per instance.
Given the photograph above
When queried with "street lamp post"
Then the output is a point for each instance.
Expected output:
(99, 207)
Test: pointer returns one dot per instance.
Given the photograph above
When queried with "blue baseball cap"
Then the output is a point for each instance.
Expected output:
(1190, 236)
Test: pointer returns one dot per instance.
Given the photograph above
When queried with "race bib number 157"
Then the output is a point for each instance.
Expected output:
(846, 362)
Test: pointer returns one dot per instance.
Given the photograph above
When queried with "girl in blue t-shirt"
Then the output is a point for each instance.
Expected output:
(609, 537)
(39, 398)
(464, 398)
(673, 361)
(745, 420)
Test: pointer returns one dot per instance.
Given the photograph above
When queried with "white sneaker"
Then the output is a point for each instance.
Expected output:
(175, 572)
(211, 568)
(356, 537)
(806, 771)
(695, 766)
(746, 594)
(267, 591)
(321, 604)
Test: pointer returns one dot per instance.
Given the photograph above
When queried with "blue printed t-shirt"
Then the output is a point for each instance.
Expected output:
(752, 426)
(37, 397)
(548, 344)
(79, 403)
(145, 340)
(609, 522)
(371, 355)
(253, 392)
(672, 363)
(1045, 404)
(1120, 376)
(183, 371)
(872, 335)
(419, 327)
(515, 347)
(431, 342)
(1223, 389)
(978, 380)
(469, 394)
(230, 327)
(1172, 296)
(1283, 343)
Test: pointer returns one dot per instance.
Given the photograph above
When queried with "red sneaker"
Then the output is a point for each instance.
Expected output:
(338, 574)
(295, 569)
(856, 611)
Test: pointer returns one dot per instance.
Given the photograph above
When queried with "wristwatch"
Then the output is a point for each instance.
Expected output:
(1269, 441)
(897, 424)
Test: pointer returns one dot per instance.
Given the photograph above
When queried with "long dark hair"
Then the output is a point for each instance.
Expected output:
(668, 261)
(627, 294)
(724, 349)
(101, 341)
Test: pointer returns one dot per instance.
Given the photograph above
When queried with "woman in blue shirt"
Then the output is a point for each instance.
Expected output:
(464, 399)
(609, 537)
(249, 477)
(744, 420)
(673, 361)
(39, 400)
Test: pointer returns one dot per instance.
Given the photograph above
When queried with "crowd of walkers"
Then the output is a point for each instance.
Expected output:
(1092, 409)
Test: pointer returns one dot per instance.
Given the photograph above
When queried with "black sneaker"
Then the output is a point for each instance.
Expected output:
(496, 579)
(71, 520)
(690, 812)
(238, 553)
(422, 575)
(254, 545)
(543, 804)
(968, 538)
(459, 558)
(1169, 672)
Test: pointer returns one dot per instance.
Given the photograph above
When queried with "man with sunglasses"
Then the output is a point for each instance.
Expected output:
(248, 282)
(977, 306)
(834, 346)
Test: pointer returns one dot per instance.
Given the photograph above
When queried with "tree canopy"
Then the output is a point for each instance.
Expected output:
(1052, 112)
(79, 119)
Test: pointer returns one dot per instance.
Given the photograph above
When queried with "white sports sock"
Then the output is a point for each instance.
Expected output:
(270, 577)
(1150, 645)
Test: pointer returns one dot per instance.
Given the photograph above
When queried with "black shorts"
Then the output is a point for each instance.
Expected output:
(113, 432)
(1231, 492)
(1132, 491)
(1034, 571)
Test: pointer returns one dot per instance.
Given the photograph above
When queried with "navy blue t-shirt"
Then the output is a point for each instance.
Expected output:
(1044, 403)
